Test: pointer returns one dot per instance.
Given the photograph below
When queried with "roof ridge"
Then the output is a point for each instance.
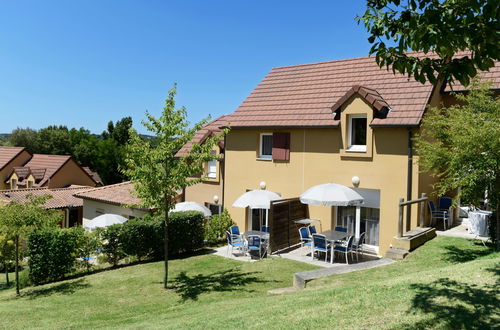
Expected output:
(107, 186)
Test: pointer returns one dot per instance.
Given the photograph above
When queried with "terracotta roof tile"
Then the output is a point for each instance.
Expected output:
(118, 194)
(7, 154)
(210, 128)
(303, 95)
(47, 165)
(61, 197)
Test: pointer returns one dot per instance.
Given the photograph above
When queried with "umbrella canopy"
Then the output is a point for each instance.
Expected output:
(257, 199)
(105, 220)
(331, 194)
(191, 206)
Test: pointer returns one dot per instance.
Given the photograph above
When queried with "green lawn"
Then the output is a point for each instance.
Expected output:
(447, 283)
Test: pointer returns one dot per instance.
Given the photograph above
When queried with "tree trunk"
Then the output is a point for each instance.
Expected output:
(165, 239)
(17, 263)
(7, 273)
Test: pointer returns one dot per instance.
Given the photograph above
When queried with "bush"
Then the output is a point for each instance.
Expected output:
(139, 237)
(88, 245)
(52, 253)
(112, 243)
(216, 227)
(186, 231)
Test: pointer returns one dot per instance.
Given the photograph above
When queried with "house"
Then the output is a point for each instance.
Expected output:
(51, 171)
(345, 121)
(211, 191)
(11, 157)
(113, 199)
(62, 199)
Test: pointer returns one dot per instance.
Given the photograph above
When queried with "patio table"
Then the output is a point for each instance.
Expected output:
(264, 236)
(307, 222)
(332, 236)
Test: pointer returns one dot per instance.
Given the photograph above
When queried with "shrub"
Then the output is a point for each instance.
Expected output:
(216, 227)
(138, 238)
(112, 244)
(52, 253)
(88, 245)
(186, 231)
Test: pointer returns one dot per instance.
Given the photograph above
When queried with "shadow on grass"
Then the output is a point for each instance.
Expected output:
(65, 288)
(451, 304)
(459, 254)
(191, 287)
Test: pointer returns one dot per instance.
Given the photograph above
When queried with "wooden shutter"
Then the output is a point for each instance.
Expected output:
(281, 146)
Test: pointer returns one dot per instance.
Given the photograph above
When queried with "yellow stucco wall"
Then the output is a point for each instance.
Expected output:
(70, 174)
(316, 157)
(20, 160)
(205, 191)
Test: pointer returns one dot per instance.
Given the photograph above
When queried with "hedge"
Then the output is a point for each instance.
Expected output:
(52, 253)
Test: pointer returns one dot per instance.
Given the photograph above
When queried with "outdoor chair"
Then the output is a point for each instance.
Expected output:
(438, 215)
(255, 244)
(234, 243)
(235, 232)
(305, 238)
(444, 204)
(345, 248)
(265, 229)
(358, 246)
(312, 230)
(320, 245)
(341, 229)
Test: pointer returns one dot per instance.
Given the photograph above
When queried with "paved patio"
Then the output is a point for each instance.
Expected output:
(460, 230)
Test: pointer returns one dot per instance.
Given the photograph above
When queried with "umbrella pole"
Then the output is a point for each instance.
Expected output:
(358, 221)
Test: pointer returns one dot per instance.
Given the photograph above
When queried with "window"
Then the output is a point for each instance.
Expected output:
(357, 133)
(30, 184)
(13, 184)
(214, 208)
(369, 222)
(99, 212)
(266, 146)
(212, 167)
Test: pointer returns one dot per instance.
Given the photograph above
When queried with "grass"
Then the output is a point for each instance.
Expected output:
(447, 283)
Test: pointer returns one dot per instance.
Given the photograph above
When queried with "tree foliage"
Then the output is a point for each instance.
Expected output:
(157, 175)
(460, 146)
(443, 27)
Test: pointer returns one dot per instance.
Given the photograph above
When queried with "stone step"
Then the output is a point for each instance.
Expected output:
(396, 254)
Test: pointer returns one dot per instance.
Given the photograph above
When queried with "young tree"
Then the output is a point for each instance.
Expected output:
(17, 219)
(444, 27)
(157, 176)
(460, 145)
(6, 254)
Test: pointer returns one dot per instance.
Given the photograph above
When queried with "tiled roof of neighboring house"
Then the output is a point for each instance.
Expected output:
(209, 129)
(94, 175)
(303, 95)
(7, 154)
(118, 194)
(493, 76)
(61, 197)
(46, 165)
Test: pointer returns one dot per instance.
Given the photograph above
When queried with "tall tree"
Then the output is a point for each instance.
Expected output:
(443, 27)
(54, 140)
(460, 146)
(25, 137)
(17, 219)
(157, 176)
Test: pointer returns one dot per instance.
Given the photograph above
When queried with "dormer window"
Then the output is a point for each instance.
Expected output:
(13, 184)
(212, 167)
(357, 133)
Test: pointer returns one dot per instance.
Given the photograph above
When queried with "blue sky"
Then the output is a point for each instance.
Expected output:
(83, 63)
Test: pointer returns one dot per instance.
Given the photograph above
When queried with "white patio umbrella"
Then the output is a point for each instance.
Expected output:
(257, 199)
(191, 206)
(333, 194)
(105, 220)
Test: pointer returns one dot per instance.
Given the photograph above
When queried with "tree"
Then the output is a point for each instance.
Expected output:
(157, 176)
(6, 254)
(120, 131)
(54, 140)
(442, 27)
(25, 137)
(17, 219)
(460, 146)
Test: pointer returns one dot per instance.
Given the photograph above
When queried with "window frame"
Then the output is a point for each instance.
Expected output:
(214, 160)
(261, 140)
(356, 147)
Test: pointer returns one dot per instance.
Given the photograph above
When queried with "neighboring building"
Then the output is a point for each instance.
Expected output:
(51, 171)
(310, 124)
(210, 191)
(94, 175)
(11, 157)
(62, 199)
(113, 199)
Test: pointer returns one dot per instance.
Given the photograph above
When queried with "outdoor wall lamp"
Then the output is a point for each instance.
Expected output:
(262, 185)
(355, 180)
(216, 199)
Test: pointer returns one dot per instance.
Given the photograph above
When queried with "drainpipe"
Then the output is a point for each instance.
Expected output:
(223, 174)
(409, 182)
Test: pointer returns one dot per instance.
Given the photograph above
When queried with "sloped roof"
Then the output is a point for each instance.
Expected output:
(7, 154)
(94, 175)
(369, 95)
(51, 164)
(61, 197)
(303, 95)
(118, 194)
(210, 128)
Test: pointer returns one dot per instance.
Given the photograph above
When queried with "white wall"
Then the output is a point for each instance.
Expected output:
(90, 209)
